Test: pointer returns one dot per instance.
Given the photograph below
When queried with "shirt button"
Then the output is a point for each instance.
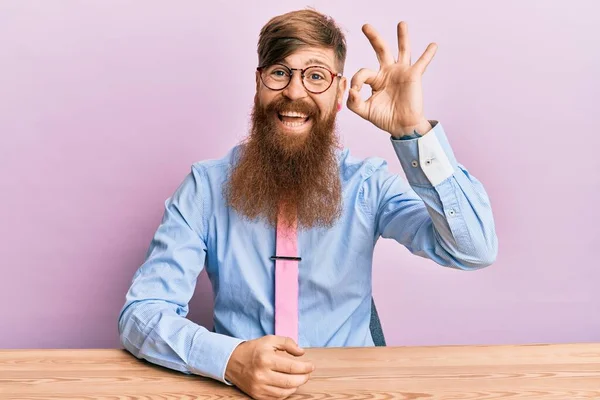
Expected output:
(414, 163)
(428, 162)
(451, 213)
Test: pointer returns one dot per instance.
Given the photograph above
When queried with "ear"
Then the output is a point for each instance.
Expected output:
(342, 86)
(257, 81)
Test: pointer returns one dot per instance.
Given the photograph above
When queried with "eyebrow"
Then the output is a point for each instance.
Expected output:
(312, 61)
(316, 61)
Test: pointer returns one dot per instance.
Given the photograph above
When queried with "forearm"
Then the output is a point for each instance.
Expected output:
(461, 232)
(462, 223)
(153, 330)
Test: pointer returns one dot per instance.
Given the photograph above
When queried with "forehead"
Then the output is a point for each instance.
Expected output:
(311, 56)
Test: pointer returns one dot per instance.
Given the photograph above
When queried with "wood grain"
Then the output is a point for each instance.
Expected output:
(557, 372)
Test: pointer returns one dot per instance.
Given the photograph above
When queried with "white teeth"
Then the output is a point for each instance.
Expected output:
(293, 124)
(293, 114)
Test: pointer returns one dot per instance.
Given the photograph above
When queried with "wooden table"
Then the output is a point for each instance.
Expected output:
(561, 372)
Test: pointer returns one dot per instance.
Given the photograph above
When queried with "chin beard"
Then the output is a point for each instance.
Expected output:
(294, 176)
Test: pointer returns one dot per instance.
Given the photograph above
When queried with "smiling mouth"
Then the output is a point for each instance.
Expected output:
(293, 119)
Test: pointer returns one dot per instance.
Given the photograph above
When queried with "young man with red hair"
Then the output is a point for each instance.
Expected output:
(287, 222)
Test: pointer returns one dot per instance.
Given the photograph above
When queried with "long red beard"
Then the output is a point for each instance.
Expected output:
(299, 173)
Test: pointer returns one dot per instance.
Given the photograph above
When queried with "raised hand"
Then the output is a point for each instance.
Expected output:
(396, 102)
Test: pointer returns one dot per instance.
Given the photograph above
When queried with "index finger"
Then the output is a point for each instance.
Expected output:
(363, 76)
(384, 55)
(289, 365)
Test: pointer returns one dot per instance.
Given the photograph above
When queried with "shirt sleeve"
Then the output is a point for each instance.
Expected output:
(442, 213)
(152, 323)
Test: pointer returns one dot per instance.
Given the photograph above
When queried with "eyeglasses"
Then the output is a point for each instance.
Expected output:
(315, 79)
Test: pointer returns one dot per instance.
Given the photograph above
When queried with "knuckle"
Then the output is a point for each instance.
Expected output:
(262, 359)
(259, 377)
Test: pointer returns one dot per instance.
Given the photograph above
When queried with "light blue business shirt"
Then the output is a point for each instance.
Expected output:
(440, 212)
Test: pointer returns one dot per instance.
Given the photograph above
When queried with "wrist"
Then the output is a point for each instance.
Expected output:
(234, 366)
(415, 131)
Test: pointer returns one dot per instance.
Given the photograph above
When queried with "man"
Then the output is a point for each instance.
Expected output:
(290, 176)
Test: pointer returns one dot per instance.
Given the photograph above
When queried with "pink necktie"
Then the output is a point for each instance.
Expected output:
(286, 281)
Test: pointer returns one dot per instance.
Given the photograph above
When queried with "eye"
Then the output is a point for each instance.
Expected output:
(279, 73)
(316, 76)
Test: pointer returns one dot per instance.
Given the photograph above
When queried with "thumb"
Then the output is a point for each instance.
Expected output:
(288, 345)
(356, 104)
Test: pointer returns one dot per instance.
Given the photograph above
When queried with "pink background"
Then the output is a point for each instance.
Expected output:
(104, 105)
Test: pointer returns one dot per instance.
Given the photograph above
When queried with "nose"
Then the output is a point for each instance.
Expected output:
(295, 90)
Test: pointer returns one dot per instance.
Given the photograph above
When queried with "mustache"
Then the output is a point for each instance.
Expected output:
(300, 106)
